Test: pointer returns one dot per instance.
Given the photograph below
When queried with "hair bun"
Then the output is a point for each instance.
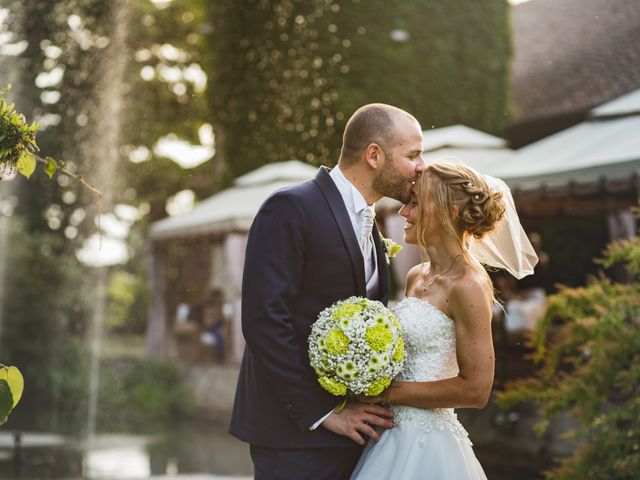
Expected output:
(482, 212)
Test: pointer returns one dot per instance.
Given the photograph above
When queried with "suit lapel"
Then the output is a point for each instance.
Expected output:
(383, 269)
(339, 210)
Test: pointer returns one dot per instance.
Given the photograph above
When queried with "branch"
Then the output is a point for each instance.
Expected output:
(79, 178)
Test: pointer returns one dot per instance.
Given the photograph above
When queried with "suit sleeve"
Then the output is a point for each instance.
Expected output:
(274, 264)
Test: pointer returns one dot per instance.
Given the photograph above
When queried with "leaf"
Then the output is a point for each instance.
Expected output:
(6, 401)
(26, 164)
(51, 167)
(15, 380)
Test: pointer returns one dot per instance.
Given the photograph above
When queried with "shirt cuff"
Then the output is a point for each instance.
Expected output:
(317, 424)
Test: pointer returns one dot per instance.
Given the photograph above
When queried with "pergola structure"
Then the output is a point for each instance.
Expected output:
(202, 250)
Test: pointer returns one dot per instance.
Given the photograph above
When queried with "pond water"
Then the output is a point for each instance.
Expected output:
(193, 449)
(187, 450)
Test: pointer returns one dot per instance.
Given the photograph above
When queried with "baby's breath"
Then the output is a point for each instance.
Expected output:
(356, 347)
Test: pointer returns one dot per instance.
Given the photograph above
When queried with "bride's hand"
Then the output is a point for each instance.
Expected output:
(371, 400)
(383, 398)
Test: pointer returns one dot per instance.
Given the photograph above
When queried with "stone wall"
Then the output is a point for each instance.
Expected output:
(213, 388)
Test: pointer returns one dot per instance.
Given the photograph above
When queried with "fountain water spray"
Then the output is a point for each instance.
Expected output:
(101, 151)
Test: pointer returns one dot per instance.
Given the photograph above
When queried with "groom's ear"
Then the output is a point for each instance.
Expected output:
(374, 156)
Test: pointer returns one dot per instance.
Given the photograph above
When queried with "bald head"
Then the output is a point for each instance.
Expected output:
(372, 123)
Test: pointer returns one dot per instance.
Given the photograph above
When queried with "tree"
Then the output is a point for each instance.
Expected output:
(48, 296)
(287, 74)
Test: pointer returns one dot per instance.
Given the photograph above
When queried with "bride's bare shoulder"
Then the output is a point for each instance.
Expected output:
(414, 275)
(471, 282)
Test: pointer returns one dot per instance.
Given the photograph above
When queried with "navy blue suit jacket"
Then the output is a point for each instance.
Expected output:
(302, 256)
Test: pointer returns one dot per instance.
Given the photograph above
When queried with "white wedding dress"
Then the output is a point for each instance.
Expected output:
(424, 444)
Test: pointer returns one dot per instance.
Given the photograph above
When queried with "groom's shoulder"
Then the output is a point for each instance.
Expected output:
(301, 192)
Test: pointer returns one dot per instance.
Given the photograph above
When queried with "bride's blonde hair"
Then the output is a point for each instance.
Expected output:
(465, 204)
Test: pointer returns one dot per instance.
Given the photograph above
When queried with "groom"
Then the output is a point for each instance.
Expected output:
(309, 246)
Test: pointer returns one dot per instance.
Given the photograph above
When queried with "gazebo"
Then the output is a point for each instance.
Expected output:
(210, 241)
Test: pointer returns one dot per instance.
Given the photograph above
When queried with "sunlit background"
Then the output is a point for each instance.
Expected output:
(123, 313)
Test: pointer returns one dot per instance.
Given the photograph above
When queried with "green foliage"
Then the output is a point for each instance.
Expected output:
(17, 138)
(588, 348)
(11, 387)
(121, 296)
(6, 401)
(287, 74)
(142, 392)
(171, 38)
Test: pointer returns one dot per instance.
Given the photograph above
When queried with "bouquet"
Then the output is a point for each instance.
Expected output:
(356, 347)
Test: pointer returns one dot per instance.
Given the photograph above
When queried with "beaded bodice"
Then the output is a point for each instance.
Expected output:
(430, 344)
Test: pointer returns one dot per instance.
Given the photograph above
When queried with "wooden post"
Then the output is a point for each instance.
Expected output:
(157, 328)
(234, 246)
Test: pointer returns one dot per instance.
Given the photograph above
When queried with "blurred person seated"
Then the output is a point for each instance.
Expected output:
(185, 332)
(213, 324)
(525, 299)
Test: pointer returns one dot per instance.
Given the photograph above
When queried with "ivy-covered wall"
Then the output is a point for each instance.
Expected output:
(287, 74)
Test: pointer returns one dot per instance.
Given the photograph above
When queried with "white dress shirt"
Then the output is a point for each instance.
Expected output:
(355, 203)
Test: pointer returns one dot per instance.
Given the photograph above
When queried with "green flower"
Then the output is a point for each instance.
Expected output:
(325, 363)
(398, 353)
(378, 337)
(337, 342)
(344, 313)
(395, 321)
(378, 386)
(391, 247)
(347, 371)
(377, 362)
(384, 320)
(332, 386)
(322, 345)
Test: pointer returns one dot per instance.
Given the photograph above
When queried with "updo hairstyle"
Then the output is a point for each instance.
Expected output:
(456, 185)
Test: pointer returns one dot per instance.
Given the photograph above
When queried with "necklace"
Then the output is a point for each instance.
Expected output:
(425, 285)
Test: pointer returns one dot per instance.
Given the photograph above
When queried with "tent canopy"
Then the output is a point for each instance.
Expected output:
(606, 146)
(233, 209)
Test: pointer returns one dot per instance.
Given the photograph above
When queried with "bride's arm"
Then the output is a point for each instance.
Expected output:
(470, 305)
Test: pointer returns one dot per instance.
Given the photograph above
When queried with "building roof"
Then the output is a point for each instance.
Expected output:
(572, 55)
(605, 146)
(628, 104)
(477, 149)
(459, 136)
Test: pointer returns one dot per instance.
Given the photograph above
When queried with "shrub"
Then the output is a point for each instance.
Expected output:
(588, 351)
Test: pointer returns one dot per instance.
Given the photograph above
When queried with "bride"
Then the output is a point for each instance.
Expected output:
(446, 320)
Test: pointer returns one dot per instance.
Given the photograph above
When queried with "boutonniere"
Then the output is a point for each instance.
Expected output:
(391, 248)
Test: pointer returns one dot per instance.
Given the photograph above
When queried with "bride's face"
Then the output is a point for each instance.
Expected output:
(411, 213)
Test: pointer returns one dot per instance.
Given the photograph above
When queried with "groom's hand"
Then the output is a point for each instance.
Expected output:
(357, 419)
